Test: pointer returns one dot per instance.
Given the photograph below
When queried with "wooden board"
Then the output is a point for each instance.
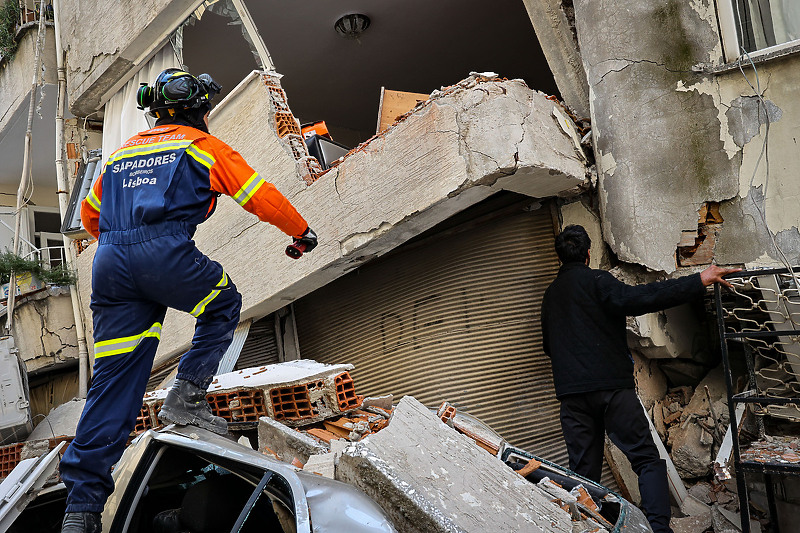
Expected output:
(394, 104)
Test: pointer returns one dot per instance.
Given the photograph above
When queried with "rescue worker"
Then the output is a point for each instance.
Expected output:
(144, 210)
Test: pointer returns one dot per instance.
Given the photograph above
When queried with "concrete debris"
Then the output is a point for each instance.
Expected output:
(419, 465)
(690, 453)
(780, 449)
(285, 443)
(323, 465)
(701, 492)
(62, 420)
(561, 497)
(724, 521)
(693, 424)
(691, 524)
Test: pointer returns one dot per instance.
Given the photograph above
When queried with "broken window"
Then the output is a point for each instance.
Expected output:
(184, 491)
(755, 25)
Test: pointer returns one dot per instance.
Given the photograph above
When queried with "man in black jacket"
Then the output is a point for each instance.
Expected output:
(583, 332)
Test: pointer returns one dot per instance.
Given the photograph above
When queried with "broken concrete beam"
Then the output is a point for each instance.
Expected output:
(418, 468)
(409, 510)
(468, 142)
(286, 442)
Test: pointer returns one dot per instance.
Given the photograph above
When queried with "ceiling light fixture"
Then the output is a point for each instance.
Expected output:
(351, 26)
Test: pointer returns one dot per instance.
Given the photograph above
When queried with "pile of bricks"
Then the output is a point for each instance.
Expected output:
(779, 449)
(11, 455)
(288, 130)
(295, 393)
(668, 412)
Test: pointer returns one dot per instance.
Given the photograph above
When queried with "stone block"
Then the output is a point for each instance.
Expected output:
(691, 524)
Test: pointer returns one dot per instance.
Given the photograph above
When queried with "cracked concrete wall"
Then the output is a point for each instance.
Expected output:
(765, 207)
(462, 147)
(658, 149)
(16, 76)
(107, 41)
(44, 330)
(670, 136)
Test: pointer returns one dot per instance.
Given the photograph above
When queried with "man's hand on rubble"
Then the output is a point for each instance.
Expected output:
(714, 274)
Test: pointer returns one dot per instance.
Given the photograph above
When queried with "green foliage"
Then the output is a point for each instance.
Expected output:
(53, 276)
(9, 18)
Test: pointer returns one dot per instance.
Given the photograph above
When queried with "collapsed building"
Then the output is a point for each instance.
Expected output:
(673, 145)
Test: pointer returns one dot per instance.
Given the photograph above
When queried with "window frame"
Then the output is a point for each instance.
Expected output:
(729, 35)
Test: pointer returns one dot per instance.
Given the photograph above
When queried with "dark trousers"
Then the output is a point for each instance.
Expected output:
(585, 418)
(136, 276)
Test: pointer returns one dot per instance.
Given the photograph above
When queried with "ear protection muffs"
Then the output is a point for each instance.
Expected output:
(145, 96)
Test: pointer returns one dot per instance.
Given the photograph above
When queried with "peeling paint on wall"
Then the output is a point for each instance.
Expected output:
(746, 115)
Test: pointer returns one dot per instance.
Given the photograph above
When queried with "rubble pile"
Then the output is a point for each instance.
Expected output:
(773, 449)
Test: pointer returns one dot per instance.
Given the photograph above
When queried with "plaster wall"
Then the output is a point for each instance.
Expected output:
(16, 76)
(106, 41)
(457, 150)
(669, 134)
(44, 330)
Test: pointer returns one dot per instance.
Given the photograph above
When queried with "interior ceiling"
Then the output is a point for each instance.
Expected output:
(414, 45)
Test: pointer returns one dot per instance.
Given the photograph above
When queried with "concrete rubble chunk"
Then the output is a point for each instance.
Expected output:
(691, 524)
(724, 521)
(62, 420)
(428, 477)
(286, 443)
(691, 440)
(466, 143)
(323, 464)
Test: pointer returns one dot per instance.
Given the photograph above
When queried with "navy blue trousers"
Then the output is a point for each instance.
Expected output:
(585, 418)
(136, 276)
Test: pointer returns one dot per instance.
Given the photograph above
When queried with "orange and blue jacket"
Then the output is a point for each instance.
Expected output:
(175, 173)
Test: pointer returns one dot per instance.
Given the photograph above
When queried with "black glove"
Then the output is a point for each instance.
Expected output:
(309, 238)
(306, 243)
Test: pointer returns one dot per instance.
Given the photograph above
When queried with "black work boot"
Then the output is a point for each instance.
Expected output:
(81, 523)
(186, 405)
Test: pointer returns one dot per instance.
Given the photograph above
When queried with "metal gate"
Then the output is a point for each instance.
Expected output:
(453, 318)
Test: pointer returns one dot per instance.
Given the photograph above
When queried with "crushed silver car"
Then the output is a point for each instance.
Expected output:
(188, 479)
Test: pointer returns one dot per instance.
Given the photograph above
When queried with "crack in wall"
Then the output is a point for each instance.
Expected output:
(638, 62)
(45, 332)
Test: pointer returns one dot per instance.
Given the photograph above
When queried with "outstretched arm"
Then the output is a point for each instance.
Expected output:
(229, 174)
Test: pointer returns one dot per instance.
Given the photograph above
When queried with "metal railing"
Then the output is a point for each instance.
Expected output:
(50, 257)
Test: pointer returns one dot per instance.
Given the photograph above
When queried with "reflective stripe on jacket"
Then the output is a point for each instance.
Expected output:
(174, 173)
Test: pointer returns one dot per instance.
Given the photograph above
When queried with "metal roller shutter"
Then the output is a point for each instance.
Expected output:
(260, 347)
(454, 319)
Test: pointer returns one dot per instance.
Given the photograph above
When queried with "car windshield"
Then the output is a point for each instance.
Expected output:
(189, 492)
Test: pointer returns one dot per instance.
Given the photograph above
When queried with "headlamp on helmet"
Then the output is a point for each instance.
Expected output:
(175, 90)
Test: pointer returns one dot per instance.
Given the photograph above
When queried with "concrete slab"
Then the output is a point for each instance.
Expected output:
(428, 477)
